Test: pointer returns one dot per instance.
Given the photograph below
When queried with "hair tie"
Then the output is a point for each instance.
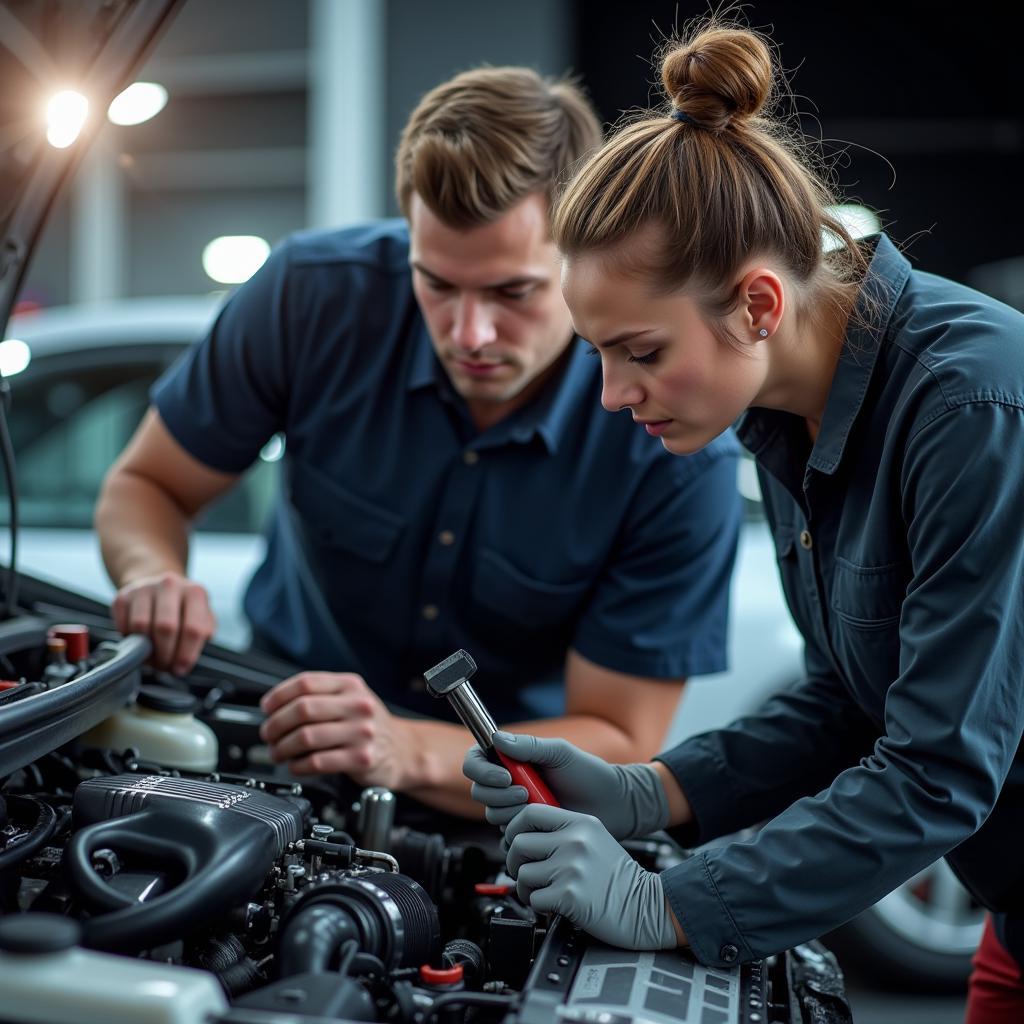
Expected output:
(681, 115)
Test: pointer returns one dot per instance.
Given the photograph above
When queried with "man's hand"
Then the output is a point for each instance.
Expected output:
(323, 722)
(173, 611)
(567, 863)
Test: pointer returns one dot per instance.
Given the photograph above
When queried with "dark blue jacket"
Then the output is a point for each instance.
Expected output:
(900, 540)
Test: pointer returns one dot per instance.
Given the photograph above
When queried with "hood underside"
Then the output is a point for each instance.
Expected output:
(90, 46)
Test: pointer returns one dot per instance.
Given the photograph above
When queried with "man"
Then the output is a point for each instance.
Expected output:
(448, 480)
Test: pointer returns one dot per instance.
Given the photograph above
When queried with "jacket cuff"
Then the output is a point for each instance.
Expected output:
(706, 782)
(710, 930)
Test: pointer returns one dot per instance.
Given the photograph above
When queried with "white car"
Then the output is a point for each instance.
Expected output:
(73, 408)
(78, 400)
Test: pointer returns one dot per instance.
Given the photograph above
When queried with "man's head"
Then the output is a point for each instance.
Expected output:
(477, 167)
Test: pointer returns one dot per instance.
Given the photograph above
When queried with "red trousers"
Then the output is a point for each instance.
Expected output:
(996, 989)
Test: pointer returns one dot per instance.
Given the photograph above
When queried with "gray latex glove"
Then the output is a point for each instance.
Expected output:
(566, 863)
(628, 799)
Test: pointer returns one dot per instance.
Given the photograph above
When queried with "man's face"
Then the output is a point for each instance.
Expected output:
(490, 296)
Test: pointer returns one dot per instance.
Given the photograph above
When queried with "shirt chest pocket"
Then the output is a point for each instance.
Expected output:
(505, 591)
(336, 518)
(865, 624)
(868, 597)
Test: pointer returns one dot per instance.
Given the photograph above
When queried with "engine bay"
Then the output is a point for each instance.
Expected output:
(156, 866)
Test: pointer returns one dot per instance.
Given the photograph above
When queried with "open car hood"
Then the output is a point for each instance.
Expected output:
(92, 46)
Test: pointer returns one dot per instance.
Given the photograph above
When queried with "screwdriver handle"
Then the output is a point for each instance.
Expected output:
(528, 777)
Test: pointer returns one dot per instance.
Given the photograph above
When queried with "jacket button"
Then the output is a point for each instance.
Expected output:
(728, 953)
(805, 539)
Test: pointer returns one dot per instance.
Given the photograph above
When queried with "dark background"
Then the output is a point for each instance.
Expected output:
(927, 98)
(922, 103)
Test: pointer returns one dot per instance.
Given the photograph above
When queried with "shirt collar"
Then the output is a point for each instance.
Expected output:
(550, 413)
(887, 274)
(547, 416)
(424, 368)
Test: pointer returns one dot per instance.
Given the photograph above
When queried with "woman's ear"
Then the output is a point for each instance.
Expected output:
(762, 299)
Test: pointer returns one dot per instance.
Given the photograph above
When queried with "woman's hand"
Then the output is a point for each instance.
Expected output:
(567, 863)
(629, 800)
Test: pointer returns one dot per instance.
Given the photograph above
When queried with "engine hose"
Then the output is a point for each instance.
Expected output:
(313, 937)
(485, 1000)
(225, 956)
(467, 954)
(44, 827)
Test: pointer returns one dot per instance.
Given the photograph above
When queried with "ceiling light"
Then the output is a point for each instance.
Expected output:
(232, 259)
(138, 103)
(65, 116)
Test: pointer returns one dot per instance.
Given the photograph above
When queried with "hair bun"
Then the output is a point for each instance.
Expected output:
(718, 76)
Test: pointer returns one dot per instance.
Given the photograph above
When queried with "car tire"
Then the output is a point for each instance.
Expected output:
(920, 937)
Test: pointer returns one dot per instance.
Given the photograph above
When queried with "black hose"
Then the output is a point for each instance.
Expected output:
(349, 952)
(467, 954)
(367, 963)
(393, 917)
(468, 999)
(44, 827)
(313, 937)
(225, 956)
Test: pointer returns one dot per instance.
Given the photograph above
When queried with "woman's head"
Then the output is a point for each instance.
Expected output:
(705, 214)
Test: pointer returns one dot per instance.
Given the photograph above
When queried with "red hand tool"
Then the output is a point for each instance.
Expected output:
(451, 679)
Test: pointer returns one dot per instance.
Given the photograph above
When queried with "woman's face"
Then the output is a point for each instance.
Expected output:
(659, 358)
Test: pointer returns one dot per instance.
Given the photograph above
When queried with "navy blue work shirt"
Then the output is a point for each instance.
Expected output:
(900, 541)
(404, 533)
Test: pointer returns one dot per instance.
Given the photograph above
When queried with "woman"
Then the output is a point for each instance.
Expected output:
(885, 409)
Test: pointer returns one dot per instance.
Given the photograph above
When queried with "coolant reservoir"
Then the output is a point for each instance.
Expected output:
(162, 726)
(46, 978)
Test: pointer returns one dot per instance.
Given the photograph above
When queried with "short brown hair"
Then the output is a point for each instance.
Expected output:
(478, 144)
(718, 179)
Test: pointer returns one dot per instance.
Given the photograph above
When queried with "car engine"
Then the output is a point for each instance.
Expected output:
(155, 866)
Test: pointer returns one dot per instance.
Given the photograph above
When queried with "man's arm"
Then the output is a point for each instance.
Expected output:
(332, 722)
(148, 501)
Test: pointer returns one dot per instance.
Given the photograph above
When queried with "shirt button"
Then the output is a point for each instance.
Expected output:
(805, 540)
(446, 537)
(470, 458)
(728, 953)
(431, 612)
(417, 684)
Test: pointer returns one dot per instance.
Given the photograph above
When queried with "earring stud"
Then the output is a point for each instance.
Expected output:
(763, 333)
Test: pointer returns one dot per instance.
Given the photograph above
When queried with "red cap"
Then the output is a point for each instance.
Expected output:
(75, 636)
(491, 889)
(441, 975)
(9, 684)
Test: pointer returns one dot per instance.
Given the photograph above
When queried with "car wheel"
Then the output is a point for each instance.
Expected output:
(920, 936)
